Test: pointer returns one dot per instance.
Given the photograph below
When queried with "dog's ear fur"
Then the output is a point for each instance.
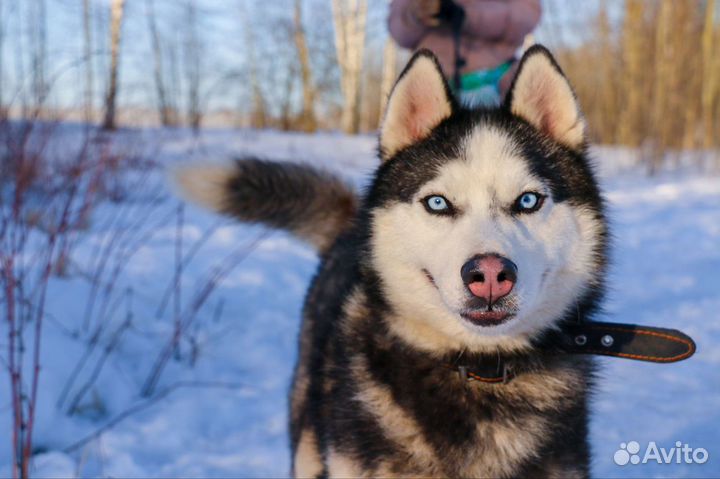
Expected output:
(541, 95)
(419, 101)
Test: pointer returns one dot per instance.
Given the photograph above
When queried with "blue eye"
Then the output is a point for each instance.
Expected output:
(528, 202)
(437, 204)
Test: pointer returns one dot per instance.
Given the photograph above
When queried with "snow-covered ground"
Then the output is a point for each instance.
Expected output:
(219, 408)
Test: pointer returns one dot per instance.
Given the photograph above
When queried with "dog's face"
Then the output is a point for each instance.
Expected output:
(487, 226)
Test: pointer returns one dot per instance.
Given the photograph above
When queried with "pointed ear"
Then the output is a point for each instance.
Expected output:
(419, 101)
(542, 96)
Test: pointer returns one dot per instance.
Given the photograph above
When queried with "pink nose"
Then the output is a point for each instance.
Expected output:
(489, 276)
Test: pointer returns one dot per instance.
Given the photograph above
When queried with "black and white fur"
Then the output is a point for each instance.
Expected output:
(371, 397)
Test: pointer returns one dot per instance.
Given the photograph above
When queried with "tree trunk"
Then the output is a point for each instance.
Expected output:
(349, 17)
(608, 74)
(87, 33)
(38, 27)
(174, 81)
(167, 118)
(633, 52)
(286, 120)
(709, 74)
(389, 73)
(192, 66)
(117, 9)
(308, 121)
(258, 115)
(687, 90)
(662, 76)
(2, 57)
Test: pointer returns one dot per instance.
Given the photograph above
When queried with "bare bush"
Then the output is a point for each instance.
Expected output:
(41, 205)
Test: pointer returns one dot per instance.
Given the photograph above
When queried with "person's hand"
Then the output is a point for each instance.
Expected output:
(426, 11)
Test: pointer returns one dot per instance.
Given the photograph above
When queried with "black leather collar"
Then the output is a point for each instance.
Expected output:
(630, 341)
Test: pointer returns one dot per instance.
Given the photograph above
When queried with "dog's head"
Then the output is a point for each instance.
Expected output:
(486, 226)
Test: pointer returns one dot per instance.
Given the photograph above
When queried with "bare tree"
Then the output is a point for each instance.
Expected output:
(165, 110)
(17, 33)
(349, 17)
(286, 115)
(192, 63)
(259, 115)
(653, 83)
(710, 67)
(607, 70)
(389, 72)
(307, 116)
(174, 80)
(117, 8)
(2, 57)
(662, 74)
(37, 26)
(100, 22)
(688, 38)
(634, 48)
(87, 33)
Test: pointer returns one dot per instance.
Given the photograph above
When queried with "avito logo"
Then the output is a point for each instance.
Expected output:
(629, 453)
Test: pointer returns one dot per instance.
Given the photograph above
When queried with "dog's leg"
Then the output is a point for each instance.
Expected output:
(340, 465)
(307, 462)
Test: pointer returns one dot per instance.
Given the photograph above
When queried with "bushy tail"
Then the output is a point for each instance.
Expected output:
(312, 204)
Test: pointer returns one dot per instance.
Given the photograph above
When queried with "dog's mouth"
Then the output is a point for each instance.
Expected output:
(486, 317)
(479, 312)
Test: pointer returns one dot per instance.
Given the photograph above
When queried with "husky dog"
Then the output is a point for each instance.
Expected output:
(480, 238)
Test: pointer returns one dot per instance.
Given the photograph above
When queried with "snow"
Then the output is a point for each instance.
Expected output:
(219, 409)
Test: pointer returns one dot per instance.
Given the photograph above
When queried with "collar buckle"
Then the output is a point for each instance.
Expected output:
(507, 373)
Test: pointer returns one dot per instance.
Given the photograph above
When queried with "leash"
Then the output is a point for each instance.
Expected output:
(629, 341)
(455, 15)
